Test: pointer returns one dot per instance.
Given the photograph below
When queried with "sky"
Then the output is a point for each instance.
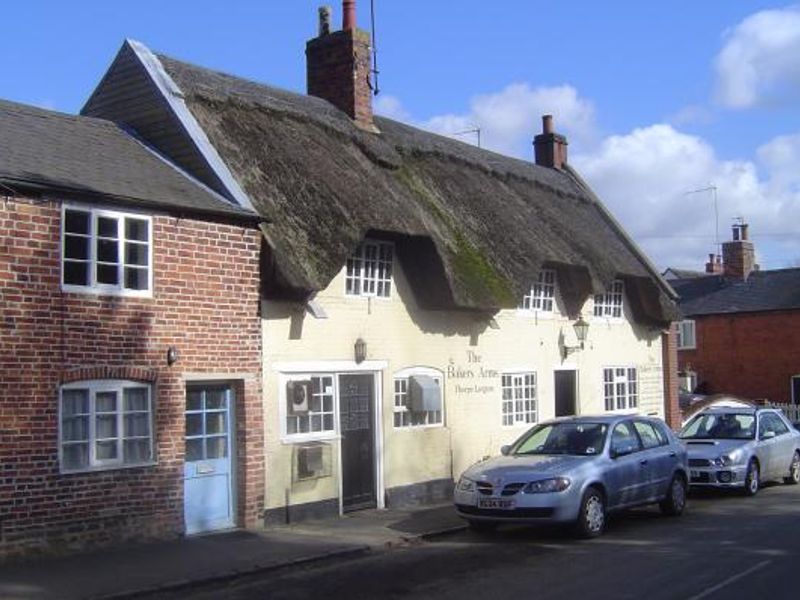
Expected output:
(657, 99)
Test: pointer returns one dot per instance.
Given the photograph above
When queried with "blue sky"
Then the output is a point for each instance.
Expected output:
(657, 98)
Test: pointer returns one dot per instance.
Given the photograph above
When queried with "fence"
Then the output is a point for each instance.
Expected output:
(792, 411)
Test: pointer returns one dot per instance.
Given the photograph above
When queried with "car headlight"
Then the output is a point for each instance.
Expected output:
(466, 485)
(544, 486)
(728, 460)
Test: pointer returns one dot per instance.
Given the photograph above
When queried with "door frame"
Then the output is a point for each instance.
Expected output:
(377, 368)
(568, 367)
(232, 443)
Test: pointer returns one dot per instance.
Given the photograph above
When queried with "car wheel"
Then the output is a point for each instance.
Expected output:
(675, 502)
(751, 480)
(592, 514)
(482, 526)
(794, 471)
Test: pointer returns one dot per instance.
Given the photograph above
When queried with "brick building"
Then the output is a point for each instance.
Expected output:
(130, 345)
(739, 335)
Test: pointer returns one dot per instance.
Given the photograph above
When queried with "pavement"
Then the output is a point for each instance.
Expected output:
(127, 571)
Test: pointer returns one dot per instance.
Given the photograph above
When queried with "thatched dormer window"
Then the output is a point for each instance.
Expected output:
(610, 304)
(542, 294)
(369, 270)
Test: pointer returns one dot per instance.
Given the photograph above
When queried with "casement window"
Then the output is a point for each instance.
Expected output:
(105, 424)
(610, 303)
(686, 335)
(620, 388)
(369, 270)
(519, 398)
(106, 252)
(318, 415)
(542, 294)
(404, 415)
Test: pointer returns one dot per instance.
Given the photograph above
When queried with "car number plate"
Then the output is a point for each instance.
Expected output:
(495, 503)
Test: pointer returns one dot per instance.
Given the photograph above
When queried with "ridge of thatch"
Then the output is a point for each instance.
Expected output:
(490, 221)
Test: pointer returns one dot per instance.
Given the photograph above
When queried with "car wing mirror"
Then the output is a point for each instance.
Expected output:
(767, 435)
(504, 450)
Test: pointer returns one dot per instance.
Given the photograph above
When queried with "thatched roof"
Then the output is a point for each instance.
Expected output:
(472, 227)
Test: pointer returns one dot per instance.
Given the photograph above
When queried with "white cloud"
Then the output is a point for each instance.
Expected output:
(760, 61)
(644, 177)
(509, 119)
(390, 106)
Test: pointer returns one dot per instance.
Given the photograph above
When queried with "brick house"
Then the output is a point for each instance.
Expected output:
(739, 335)
(422, 298)
(130, 344)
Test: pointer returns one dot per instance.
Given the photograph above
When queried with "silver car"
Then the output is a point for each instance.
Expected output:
(741, 447)
(576, 469)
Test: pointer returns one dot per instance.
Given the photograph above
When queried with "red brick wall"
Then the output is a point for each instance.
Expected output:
(205, 303)
(751, 355)
(672, 409)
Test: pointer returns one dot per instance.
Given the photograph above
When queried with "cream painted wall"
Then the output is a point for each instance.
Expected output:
(469, 353)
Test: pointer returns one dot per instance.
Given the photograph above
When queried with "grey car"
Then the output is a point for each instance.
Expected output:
(741, 447)
(576, 470)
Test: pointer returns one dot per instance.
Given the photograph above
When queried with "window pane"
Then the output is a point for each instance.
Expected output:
(106, 450)
(135, 254)
(136, 279)
(194, 400)
(107, 274)
(135, 399)
(76, 273)
(76, 221)
(217, 447)
(215, 423)
(106, 402)
(136, 229)
(194, 450)
(137, 425)
(75, 428)
(76, 456)
(75, 402)
(106, 426)
(76, 247)
(107, 227)
(107, 251)
(215, 399)
(194, 424)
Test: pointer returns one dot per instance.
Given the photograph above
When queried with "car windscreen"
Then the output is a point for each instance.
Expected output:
(720, 426)
(577, 439)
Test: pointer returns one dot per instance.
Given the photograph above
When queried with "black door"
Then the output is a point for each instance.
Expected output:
(357, 406)
(796, 389)
(565, 393)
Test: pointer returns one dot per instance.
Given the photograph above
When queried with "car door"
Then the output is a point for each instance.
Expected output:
(661, 458)
(628, 474)
(767, 445)
(784, 446)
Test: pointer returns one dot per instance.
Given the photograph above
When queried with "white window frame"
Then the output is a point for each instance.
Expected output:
(93, 287)
(400, 408)
(379, 281)
(627, 401)
(515, 416)
(308, 436)
(681, 337)
(541, 293)
(98, 386)
(610, 302)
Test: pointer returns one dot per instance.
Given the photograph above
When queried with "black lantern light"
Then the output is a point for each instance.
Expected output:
(360, 350)
(581, 328)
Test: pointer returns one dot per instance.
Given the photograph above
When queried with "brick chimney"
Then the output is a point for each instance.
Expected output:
(714, 264)
(550, 148)
(738, 255)
(338, 66)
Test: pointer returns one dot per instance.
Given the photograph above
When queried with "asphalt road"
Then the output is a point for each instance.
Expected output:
(724, 547)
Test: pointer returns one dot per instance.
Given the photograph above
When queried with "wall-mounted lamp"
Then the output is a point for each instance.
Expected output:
(360, 348)
(172, 355)
(581, 328)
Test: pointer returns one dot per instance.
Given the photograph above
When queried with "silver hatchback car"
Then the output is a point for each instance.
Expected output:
(741, 447)
(576, 469)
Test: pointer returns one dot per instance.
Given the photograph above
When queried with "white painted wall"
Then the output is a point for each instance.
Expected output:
(401, 335)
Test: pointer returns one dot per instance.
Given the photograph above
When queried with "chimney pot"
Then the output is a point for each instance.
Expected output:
(348, 15)
(324, 20)
(547, 123)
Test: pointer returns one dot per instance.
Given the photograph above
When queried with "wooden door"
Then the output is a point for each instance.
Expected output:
(357, 422)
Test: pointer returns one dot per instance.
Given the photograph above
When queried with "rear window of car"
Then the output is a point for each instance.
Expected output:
(651, 436)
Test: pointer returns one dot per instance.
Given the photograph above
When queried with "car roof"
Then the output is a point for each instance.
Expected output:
(736, 410)
(602, 418)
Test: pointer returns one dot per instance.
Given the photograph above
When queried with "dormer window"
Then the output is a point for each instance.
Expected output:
(369, 270)
(542, 294)
(610, 303)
